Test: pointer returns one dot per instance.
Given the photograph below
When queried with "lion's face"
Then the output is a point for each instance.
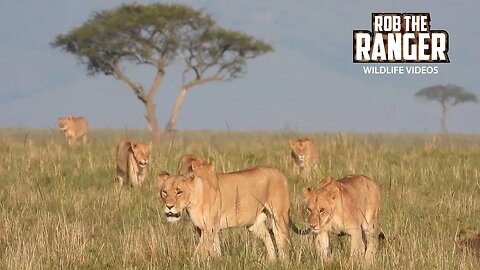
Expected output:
(187, 162)
(64, 123)
(141, 153)
(181, 191)
(175, 195)
(320, 204)
(300, 149)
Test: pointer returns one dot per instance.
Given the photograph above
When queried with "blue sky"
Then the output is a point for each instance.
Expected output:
(308, 84)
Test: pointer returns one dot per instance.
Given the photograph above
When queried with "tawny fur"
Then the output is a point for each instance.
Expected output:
(185, 163)
(132, 162)
(304, 153)
(248, 198)
(349, 205)
(73, 128)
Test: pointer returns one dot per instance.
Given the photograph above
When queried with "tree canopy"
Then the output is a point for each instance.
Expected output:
(157, 35)
(448, 95)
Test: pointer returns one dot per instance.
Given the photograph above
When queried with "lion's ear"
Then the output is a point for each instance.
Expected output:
(191, 180)
(162, 176)
(334, 192)
(307, 192)
(133, 145)
(327, 181)
(292, 143)
(192, 167)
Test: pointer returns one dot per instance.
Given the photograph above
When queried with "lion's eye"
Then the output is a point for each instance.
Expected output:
(164, 193)
(309, 210)
(179, 192)
(322, 210)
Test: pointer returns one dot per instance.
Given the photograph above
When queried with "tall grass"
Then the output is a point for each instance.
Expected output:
(60, 207)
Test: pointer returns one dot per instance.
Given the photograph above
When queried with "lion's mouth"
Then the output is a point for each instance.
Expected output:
(315, 228)
(174, 215)
(142, 164)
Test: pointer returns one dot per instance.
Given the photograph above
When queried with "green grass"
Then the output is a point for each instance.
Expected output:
(60, 208)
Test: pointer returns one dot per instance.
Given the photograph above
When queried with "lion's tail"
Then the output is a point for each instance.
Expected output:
(297, 230)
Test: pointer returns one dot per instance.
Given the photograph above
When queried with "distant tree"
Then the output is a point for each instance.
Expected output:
(157, 35)
(448, 96)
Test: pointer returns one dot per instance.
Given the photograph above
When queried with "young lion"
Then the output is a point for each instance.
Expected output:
(132, 161)
(187, 161)
(215, 202)
(304, 153)
(349, 205)
(73, 128)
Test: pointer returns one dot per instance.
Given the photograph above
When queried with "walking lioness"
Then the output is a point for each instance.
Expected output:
(73, 128)
(132, 161)
(349, 205)
(214, 202)
(304, 153)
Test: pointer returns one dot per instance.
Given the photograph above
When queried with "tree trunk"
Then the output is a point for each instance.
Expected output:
(147, 99)
(443, 121)
(151, 115)
(176, 109)
(181, 97)
(152, 122)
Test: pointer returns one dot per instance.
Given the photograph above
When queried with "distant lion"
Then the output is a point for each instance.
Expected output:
(132, 161)
(304, 153)
(187, 161)
(250, 198)
(73, 128)
(349, 205)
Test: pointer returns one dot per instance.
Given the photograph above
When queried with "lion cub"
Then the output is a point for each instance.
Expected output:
(132, 161)
(186, 163)
(73, 128)
(349, 205)
(304, 153)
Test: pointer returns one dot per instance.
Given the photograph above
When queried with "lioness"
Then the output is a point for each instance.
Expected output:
(349, 205)
(187, 161)
(73, 128)
(304, 153)
(132, 161)
(219, 201)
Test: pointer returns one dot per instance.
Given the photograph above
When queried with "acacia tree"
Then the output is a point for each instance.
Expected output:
(157, 35)
(448, 96)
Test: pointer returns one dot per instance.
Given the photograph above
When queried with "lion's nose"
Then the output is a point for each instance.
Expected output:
(169, 207)
(313, 226)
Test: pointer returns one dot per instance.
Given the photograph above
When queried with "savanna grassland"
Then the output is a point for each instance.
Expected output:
(60, 207)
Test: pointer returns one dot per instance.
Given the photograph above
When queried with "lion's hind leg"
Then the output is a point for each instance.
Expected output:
(370, 230)
(259, 228)
(280, 232)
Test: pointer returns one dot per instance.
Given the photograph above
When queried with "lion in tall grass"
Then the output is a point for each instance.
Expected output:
(187, 161)
(349, 205)
(304, 153)
(248, 198)
(73, 128)
(132, 162)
